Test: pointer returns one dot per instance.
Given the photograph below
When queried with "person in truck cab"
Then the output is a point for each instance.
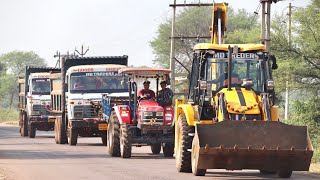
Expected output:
(146, 93)
(78, 85)
(165, 95)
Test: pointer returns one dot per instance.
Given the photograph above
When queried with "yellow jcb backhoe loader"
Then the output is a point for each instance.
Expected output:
(229, 120)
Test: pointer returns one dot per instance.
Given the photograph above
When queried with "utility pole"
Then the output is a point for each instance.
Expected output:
(286, 110)
(173, 37)
(82, 51)
(172, 49)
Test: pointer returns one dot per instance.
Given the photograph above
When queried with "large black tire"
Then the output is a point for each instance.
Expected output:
(156, 148)
(183, 156)
(284, 173)
(104, 137)
(168, 149)
(125, 141)
(114, 136)
(72, 136)
(32, 130)
(23, 124)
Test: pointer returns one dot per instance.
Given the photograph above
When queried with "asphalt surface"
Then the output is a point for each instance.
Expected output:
(22, 158)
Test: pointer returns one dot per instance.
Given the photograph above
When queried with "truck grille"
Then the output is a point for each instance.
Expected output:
(85, 112)
(153, 119)
(39, 109)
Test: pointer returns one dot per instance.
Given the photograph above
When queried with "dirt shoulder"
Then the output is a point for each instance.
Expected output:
(315, 168)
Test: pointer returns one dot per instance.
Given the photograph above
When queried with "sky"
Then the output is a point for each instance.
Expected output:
(107, 27)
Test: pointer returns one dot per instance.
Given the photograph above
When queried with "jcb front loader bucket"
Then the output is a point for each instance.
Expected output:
(263, 145)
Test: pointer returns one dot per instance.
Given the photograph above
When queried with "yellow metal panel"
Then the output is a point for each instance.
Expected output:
(224, 47)
(274, 113)
(205, 122)
(188, 111)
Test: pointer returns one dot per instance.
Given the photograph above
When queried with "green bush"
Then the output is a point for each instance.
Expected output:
(306, 113)
(8, 115)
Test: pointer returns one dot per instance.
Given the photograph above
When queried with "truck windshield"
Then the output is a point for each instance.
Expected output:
(97, 82)
(40, 86)
(241, 69)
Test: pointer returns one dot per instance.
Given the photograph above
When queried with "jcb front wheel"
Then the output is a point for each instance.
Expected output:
(184, 142)
(195, 157)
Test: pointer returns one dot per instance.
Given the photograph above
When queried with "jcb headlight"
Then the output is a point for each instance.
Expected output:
(147, 114)
(159, 114)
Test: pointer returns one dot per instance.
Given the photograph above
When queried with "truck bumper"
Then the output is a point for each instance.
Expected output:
(88, 123)
(43, 123)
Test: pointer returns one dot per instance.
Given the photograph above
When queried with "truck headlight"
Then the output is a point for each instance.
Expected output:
(148, 114)
(159, 114)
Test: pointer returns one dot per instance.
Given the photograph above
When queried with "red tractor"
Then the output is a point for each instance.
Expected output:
(138, 120)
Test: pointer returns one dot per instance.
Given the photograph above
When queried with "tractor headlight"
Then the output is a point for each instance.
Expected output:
(159, 114)
(147, 114)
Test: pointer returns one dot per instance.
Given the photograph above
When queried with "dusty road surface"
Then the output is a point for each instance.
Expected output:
(42, 159)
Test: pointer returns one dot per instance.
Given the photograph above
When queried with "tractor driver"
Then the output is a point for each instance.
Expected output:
(146, 93)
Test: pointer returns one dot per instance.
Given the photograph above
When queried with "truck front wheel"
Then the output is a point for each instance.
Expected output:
(23, 124)
(72, 136)
(32, 130)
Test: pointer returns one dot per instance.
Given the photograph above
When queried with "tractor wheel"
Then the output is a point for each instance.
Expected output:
(284, 173)
(168, 149)
(32, 130)
(24, 124)
(195, 157)
(114, 135)
(184, 142)
(125, 141)
(104, 137)
(156, 148)
(72, 136)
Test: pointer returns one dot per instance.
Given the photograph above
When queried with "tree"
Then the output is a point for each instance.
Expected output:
(14, 64)
(241, 28)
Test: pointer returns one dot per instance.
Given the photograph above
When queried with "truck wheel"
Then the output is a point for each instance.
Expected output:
(168, 149)
(72, 136)
(156, 148)
(184, 142)
(32, 130)
(114, 135)
(61, 132)
(23, 124)
(56, 138)
(125, 141)
(284, 173)
(104, 137)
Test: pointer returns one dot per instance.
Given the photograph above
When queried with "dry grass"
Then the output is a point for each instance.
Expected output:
(315, 168)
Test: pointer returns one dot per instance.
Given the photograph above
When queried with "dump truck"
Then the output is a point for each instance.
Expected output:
(139, 121)
(34, 101)
(230, 119)
(76, 94)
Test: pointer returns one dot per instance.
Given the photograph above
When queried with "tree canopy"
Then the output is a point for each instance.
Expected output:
(13, 65)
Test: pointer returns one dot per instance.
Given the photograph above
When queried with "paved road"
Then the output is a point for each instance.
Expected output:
(41, 159)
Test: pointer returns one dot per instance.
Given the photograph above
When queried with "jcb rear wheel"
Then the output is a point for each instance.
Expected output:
(183, 156)
(156, 148)
(284, 173)
(114, 135)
